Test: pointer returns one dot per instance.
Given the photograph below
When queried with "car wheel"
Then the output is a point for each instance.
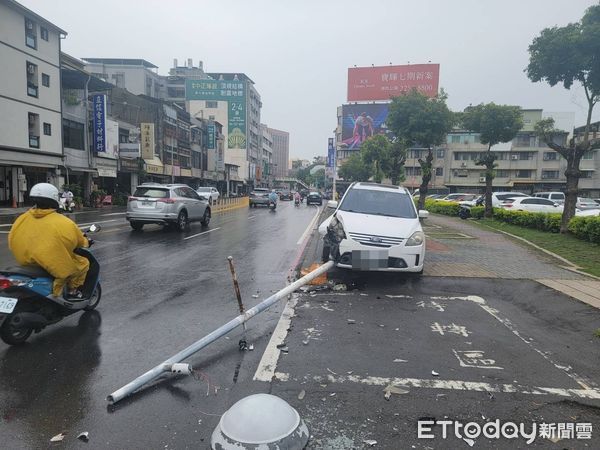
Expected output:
(137, 226)
(205, 218)
(182, 221)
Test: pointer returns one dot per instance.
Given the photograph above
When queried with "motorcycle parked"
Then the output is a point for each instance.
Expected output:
(66, 202)
(27, 303)
(465, 207)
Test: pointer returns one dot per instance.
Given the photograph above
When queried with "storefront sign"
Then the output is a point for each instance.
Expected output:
(147, 135)
(110, 173)
(157, 170)
(99, 122)
(211, 136)
(129, 150)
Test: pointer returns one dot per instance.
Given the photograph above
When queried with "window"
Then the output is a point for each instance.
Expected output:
(44, 33)
(30, 34)
(439, 171)
(45, 80)
(211, 117)
(523, 174)
(588, 155)
(32, 79)
(47, 129)
(586, 174)
(34, 130)
(550, 174)
(211, 104)
(176, 92)
(550, 156)
(525, 156)
(502, 173)
(440, 153)
(73, 134)
(455, 139)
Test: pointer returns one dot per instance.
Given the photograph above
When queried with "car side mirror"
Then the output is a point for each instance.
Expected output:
(332, 204)
(423, 214)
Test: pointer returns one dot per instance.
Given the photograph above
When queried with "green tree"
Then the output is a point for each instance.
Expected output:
(375, 153)
(355, 169)
(568, 55)
(416, 119)
(395, 162)
(495, 124)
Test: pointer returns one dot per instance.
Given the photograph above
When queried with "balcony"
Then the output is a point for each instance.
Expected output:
(34, 141)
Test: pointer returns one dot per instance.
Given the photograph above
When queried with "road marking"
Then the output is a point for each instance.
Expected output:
(6, 225)
(251, 217)
(113, 214)
(474, 358)
(200, 234)
(83, 225)
(268, 363)
(4, 232)
(456, 385)
(309, 228)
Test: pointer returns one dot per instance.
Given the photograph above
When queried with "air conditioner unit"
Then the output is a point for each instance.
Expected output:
(514, 157)
(463, 164)
(31, 69)
(482, 179)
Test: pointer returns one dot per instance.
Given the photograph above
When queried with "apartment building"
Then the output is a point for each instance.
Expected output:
(281, 152)
(30, 103)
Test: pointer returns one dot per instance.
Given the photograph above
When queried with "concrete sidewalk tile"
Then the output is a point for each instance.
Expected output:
(561, 286)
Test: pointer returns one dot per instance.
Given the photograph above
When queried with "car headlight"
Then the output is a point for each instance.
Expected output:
(417, 238)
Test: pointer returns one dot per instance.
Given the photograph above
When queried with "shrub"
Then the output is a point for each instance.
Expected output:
(538, 221)
(477, 212)
(442, 207)
(586, 228)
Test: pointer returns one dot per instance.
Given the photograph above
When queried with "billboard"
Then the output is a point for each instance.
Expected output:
(234, 93)
(99, 122)
(360, 122)
(330, 153)
(147, 138)
(385, 82)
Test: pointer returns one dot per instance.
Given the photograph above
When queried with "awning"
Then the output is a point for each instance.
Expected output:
(154, 166)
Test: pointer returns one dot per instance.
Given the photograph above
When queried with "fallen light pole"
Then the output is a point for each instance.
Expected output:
(167, 366)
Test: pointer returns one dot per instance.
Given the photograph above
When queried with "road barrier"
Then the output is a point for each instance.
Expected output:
(170, 365)
(228, 204)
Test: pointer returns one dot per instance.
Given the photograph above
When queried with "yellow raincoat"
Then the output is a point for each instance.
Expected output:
(44, 238)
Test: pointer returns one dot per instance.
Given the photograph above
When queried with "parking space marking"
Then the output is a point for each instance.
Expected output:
(475, 358)
(200, 234)
(456, 385)
(452, 328)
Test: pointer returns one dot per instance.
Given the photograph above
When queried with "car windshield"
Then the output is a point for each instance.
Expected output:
(151, 192)
(203, 189)
(381, 203)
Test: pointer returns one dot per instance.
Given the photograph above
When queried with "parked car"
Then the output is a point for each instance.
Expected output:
(210, 193)
(375, 227)
(456, 197)
(558, 197)
(166, 204)
(314, 198)
(585, 203)
(587, 212)
(533, 204)
(597, 200)
(286, 195)
(259, 196)
(500, 197)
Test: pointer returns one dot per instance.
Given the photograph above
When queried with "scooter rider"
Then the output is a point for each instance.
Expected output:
(273, 197)
(47, 239)
(297, 198)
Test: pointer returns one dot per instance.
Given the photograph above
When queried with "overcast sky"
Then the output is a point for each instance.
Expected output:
(298, 51)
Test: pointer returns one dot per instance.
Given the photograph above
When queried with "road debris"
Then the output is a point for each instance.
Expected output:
(351, 321)
(305, 342)
(85, 436)
(332, 394)
(370, 442)
(331, 371)
(254, 295)
(284, 350)
(59, 437)
(340, 287)
(391, 389)
(398, 360)
(471, 442)
(251, 347)
(434, 373)
(283, 344)
(301, 394)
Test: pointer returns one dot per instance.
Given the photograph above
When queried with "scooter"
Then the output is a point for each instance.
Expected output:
(465, 208)
(272, 205)
(27, 303)
(66, 203)
(297, 202)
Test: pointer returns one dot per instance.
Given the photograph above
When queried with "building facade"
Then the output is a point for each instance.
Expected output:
(266, 175)
(30, 102)
(281, 152)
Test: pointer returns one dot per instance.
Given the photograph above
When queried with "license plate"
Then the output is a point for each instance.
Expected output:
(369, 259)
(147, 203)
(7, 304)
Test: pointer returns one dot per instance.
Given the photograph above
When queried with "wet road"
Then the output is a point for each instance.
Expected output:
(161, 291)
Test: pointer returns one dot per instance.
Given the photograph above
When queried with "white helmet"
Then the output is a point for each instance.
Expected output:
(45, 190)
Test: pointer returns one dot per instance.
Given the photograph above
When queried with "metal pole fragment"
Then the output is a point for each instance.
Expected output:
(165, 366)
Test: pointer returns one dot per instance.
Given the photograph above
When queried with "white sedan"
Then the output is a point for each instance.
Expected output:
(375, 228)
(210, 193)
(532, 204)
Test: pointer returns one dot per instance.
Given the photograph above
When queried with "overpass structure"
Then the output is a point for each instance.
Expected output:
(291, 181)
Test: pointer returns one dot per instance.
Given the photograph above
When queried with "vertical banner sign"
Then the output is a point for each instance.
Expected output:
(99, 122)
(236, 124)
(211, 136)
(330, 154)
(147, 138)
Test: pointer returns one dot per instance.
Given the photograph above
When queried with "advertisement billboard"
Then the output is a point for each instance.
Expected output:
(330, 153)
(211, 135)
(385, 82)
(99, 122)
(360, 122)
(234, 93)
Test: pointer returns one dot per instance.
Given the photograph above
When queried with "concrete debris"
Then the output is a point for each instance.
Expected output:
(370, 442)
(284, 350)
(251, 347)
(254, 295)
(471, 442)
(85, 436)
(58, 438)
(400, 360)
(283, 344)
(351, 321)
(434, 373)
(301, 394)
(391, 389)
(331, 371)
(332, 394)
(340, 287)
(305, 342)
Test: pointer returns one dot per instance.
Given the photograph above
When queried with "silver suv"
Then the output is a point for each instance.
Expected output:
(166, 204)
(259, 196)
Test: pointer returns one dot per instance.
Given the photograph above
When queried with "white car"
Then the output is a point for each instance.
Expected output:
(375, 227)
(587, 212)
(558, 197)
(210, 193)
(498, 198)
(586, 203)
(533, 204)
